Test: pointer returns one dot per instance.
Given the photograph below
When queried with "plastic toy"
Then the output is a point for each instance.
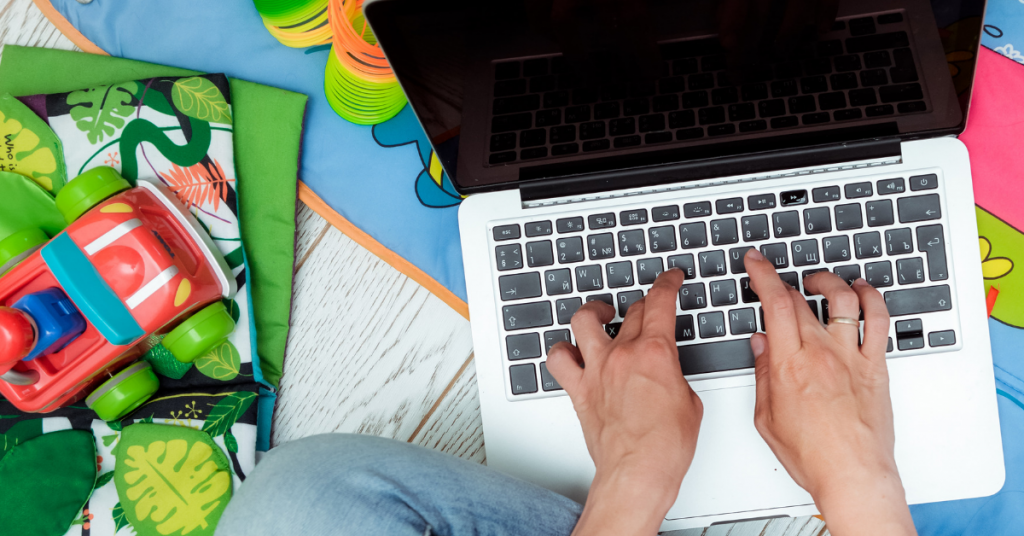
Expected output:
(77, 310)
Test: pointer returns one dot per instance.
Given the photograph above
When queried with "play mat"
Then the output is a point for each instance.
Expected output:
(382, 184)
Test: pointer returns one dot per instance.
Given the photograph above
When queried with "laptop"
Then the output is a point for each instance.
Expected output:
(600, 143)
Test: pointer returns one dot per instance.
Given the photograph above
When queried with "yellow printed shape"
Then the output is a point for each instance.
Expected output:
(116, 208)
(184, 291)
(20, 153)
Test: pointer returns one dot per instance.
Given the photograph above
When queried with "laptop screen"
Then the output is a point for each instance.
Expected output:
(513, 90)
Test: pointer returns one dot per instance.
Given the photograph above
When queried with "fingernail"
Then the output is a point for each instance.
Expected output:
(676, 268)
(754, 254)
(757, 345)
(860, 282)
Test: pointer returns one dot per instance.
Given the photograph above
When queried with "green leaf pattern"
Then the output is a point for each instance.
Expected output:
(199, 98)
(103, 479)
(222, 363)
(226, 412)
(120, 519)
(100, 111)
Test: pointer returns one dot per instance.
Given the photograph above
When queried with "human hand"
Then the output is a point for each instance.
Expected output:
(639, 416)
(823, 401)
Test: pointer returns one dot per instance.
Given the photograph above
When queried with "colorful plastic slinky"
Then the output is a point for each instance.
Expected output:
(296, 23)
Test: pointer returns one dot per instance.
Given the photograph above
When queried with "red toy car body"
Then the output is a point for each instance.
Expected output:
(134, 265)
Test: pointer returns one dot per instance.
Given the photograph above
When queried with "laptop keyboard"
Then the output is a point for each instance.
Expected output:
(864, 69)
(889, 231)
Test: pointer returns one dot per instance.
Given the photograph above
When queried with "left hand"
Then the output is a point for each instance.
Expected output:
(639, 416)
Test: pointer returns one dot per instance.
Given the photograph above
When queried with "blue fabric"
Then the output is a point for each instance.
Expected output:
(90, 292)
(352, 484)
(381, 187)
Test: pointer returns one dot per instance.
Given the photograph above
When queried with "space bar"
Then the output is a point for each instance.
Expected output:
(716, 356)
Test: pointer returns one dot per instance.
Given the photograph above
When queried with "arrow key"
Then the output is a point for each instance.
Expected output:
(919, 208)
(524, 346)
(519, 286)
(930, 241)
(942, 338)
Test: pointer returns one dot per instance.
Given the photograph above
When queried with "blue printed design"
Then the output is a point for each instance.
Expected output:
(433, 187)
(1004, 28)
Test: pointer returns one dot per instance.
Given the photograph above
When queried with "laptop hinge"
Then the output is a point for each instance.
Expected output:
(822, 157)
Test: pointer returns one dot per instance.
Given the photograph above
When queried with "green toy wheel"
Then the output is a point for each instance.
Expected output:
(88, 190)
(18, 246)
(196, 336)
(126, 391)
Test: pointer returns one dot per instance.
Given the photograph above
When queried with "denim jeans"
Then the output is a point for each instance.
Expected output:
(363, 485)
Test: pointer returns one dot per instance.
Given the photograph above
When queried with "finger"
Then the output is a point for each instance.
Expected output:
(759, 345)
(588, 326)
(779, 314)
(660, 309)
(876, 320)
(633, 324)
(564, 363)
(843, 302)
(807, 322)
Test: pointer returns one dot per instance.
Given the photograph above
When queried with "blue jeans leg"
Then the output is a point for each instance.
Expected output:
(363, 485)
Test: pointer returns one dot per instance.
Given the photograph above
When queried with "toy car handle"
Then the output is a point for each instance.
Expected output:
(17, 378)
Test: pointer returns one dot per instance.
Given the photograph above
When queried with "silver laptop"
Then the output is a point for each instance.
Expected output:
(600, 143)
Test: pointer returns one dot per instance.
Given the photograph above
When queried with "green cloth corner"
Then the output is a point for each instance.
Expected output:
(268, 133)
(46, 482)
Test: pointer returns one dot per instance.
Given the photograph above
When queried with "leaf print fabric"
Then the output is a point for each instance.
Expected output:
(199, 184)
(197, 97)
(101, 111)
(29, 147)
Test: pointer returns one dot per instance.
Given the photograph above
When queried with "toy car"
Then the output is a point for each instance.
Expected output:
(77, 310)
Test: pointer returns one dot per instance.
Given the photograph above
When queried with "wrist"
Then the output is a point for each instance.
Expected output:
(865, 501)
(624, 500)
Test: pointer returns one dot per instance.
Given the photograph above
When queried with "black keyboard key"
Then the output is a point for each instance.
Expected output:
(564, 149)
(868, 245)
(724, 232)
(527, 315)
(588, 278)
(846, 64)
(847, 115)
(507, 123)
(662, 239)
(777, 254)
(790, 69)
(879, 213)
(761, 202)
(691, 296)
(711, 324)
(685, 66)
(771, 108)
(503, 71)
(577, 114)
(657, 137)
(882, 109)
(558, 282)
(753, 92)
(862, 26)
(817, 220)
(547, 381)
(802, 104)
(753, 126)
(836, 248)
(633, 217)
(607, 298)
(626, 299)
(742, 321)
(556, 99)
(817, 66)
(858, 189)
(755, 227)
(584, 95)
(878, 274)
(931, 241)
(873, 77)
(689, 133)
(601, 221)
(868, 43)
(662, 103)
(862, 97)
(910, 271)
(702, 81)
(813, 84)
(784, 88)
(697, 210)
(924, 182)
(569, 249)
(607, 110)
(619, 274)
(742, 111)
(721, 130)
(904, 70)
(538, 228)
(503, 142)
(524, 379)
(848, 273)
(601, 246)
(725, 95)
(506, 232)
(508, 88)
(942, 338)
(537, 152)
(519, 286)
(532, 138)
(564, 309)
(569, 225)
(716, 356)
(621, 127)
(511, 105)
(786, 223)
(590, 131)
(831, 101)
(723, 292)
(890, 18)
(785, 122)
(711, 263)
(826, 194)
(875, 60)
(546, 118)
(746, 293)
(805, 252)
(635, 107)
(736, 265)
(914, 301)
(890, 186)
(683, 119)
(709, 116)
(899, 242)
(816, 119)
(901, 92)
(684, 328)
(632, 243)
(729, 205)
(791, 279)
(675, 84)
(794, 197)
(919, 208)
(808, 273)
(696, 99)
(848, 217)
(652, 123)
(829, 48)
(684, 263)
(613, 329)
(541, 84)
(509, 257)
(665, 213)
(911, 107)
(693, 235)
(522, 346)
(563, 134)
(535, 67)
(647, 270)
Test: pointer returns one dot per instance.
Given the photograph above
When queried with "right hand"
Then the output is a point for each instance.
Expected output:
(823, 401)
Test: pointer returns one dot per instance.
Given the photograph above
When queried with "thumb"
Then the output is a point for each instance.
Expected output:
(565, 364)
(759, 345)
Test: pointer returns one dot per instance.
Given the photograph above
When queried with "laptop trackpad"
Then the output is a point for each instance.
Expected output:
(733, 469)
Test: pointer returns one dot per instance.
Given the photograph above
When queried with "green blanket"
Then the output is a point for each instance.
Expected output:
(267, 138)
